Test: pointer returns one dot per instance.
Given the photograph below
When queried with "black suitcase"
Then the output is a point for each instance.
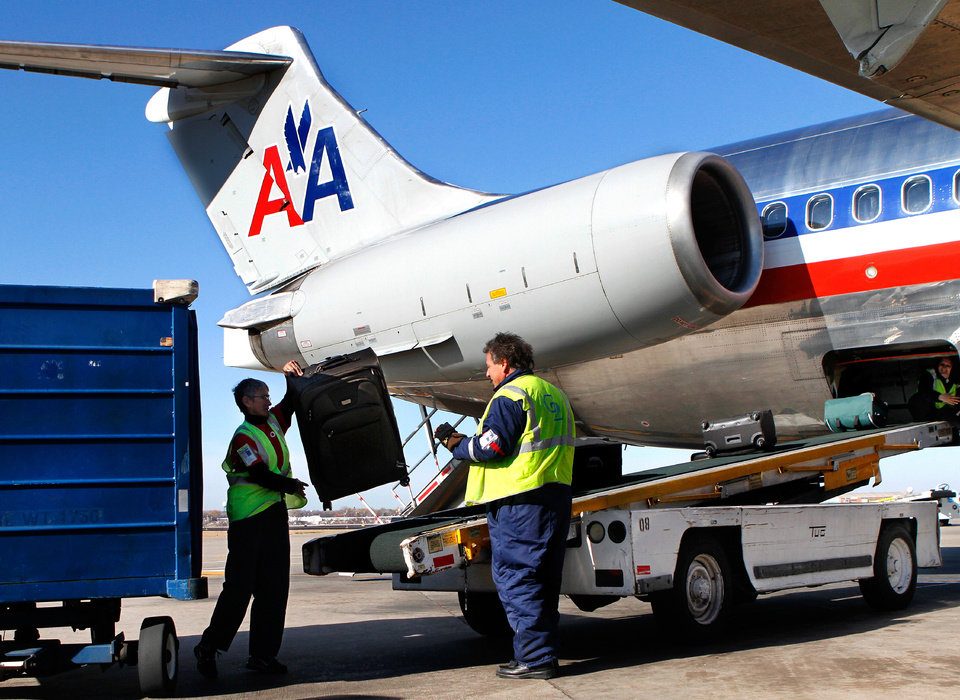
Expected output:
(751, 431)
(347, 426)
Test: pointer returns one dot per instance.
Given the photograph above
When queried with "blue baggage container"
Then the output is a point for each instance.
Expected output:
(100, 460)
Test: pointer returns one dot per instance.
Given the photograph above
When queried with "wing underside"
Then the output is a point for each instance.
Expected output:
(906, 54)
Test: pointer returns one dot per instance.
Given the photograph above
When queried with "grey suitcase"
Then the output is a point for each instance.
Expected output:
(750, 431)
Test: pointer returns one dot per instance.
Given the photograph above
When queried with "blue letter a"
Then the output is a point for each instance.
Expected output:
(326, 142)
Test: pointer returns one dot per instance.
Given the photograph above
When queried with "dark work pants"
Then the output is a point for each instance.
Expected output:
(258, 565)
(528, 534)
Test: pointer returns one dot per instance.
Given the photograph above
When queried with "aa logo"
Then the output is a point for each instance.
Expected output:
(325, 150)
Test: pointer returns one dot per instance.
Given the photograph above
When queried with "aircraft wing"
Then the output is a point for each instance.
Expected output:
(904, 53)
(160, 67)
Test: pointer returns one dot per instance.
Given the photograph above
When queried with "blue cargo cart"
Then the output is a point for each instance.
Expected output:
(100, 473)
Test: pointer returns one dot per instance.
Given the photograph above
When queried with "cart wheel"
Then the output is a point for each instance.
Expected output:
(894, 577)
(695, 609)
(759, 442)
(484, 613)
(158, 661)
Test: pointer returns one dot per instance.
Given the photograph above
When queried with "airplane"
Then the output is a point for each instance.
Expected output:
(948, 512)
(774, 273)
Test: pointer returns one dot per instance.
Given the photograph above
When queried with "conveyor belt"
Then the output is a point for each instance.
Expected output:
(811, 470)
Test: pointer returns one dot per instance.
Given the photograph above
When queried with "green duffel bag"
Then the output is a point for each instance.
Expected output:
(855, 413)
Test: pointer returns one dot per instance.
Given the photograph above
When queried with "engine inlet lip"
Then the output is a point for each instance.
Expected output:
(713, 295)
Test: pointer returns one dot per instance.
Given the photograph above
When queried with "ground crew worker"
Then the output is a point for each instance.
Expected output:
(521, 464)
(258, 540)
(936, 398)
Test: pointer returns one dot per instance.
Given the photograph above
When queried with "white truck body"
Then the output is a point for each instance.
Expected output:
(780, 547)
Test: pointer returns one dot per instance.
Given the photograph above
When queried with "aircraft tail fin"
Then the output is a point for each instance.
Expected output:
(291, 175)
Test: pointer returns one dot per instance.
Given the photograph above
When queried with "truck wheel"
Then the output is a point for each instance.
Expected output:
(484, 613)
(894, 579)
(158, 661)
(699, 602)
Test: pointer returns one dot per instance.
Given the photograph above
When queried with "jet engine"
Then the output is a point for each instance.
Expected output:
(606, 264)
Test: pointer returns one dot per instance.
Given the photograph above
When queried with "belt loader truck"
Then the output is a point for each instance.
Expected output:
(693, 539)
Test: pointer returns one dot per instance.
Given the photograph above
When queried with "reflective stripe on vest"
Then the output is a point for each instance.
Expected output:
(542, 455)
(245, 498)
(940, 388)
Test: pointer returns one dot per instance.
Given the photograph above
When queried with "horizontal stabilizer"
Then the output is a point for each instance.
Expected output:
(160, 67)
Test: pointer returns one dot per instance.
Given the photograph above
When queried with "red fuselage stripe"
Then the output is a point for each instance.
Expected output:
(895, 268)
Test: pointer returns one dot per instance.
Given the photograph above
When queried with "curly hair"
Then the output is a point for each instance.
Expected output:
(246, 387)
(512, 348)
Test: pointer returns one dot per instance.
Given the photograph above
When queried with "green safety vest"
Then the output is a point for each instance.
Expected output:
(939, 387)
(542, 455)
(245, 498)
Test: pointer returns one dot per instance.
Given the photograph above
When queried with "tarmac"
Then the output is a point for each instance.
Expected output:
(356, 637)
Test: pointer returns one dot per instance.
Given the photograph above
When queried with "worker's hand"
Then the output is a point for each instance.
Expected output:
(452, 440)
(293, 368)
(301, 488)
(948, 399)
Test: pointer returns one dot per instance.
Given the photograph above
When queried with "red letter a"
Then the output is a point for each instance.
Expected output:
(266, 206)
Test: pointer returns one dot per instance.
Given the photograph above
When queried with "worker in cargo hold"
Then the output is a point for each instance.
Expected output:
(258, 540)
(521, 464)
(937, 394)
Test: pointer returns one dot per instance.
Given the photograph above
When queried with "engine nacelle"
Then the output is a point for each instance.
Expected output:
(603, 265)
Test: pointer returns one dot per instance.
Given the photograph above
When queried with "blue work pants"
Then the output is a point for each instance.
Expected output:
(528, 534)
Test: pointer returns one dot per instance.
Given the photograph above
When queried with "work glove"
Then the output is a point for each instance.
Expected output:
(447, 436)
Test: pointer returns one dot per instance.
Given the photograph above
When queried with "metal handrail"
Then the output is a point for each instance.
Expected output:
(425, 426)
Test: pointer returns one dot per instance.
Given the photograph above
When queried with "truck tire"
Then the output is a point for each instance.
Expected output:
(484, 613)
(698, 605)
(158, 660)
(894, 579)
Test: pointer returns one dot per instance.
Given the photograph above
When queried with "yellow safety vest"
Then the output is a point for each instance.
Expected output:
(542, 455)
(245, 498)
(938, 386)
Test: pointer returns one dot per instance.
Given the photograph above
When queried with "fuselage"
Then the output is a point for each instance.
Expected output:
(859, 287)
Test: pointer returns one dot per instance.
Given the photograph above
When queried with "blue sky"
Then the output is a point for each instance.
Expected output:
(497, 96)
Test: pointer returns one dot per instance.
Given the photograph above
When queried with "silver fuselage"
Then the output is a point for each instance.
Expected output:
(823, 294)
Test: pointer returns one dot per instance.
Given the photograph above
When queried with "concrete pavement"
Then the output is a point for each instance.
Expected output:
(355, 637)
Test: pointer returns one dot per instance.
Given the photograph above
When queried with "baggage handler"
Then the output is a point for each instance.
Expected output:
(937, 395)
(258, 540)
(521, 464)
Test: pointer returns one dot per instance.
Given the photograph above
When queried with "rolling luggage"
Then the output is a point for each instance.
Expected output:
(855, 413)
(750, 431)
(347, 426)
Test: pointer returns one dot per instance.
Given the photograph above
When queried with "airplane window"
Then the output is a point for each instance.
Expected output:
(956, 186)
(916, 194)
(774, 220)
(819, 212)
(866, 203)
